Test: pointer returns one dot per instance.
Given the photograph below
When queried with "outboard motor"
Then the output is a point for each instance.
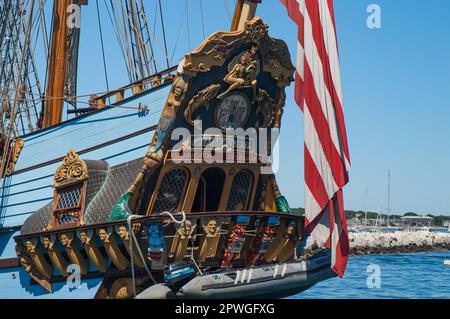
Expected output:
(178, 274)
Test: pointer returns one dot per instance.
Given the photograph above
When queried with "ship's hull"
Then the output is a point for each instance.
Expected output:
(114, 134)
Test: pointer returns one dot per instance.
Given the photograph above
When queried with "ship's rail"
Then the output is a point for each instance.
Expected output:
(215, 240)
(135, 89)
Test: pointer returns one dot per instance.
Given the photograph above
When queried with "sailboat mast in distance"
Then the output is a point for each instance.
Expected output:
(389, 196)
(245, 10)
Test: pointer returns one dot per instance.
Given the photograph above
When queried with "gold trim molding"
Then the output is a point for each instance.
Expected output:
(72, 168)
(215, 50)
(16, 150)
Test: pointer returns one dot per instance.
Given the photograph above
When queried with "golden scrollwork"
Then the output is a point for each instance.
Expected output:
(201, 99)
(215, 50)
(269, 109)
(72, 168)
(15, 153)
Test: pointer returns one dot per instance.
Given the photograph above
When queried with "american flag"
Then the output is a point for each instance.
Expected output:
(319, 95)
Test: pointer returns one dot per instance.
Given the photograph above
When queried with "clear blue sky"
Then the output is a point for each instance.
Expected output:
(396, 85)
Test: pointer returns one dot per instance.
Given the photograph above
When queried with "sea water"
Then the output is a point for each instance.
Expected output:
(417, 275)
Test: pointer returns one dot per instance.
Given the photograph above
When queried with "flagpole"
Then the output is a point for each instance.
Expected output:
(245, 10)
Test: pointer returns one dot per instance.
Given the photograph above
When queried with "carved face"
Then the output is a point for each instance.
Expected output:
(29, 246)
(123, 233)
(178, 91)
(186, 228)
(212, 227)
(290, 229)
(64, 240)
(46, 242)
(83, 238)
(153, 230)
(102, 235)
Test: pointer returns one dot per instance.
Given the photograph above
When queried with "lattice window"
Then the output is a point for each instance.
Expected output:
(240, 191)
(171, 191)
(69, 198)
(68, 208)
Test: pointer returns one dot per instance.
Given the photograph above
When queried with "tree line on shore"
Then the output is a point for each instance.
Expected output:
(438, 219)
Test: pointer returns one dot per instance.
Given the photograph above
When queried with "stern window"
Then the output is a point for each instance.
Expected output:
(171, 191)
(240, 191)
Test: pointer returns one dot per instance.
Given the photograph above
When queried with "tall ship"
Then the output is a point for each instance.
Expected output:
(162, 188)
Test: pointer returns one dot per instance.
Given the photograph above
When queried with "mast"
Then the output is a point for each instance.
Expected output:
(61, 62)
(53, 107)
(245, 10)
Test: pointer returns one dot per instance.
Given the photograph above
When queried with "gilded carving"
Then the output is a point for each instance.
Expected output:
(73, 252)
(270, 110)
(201, 99)
(14, 157)
(112, 248)
(216, 48)
(90, 246)
(37, 258)
(124, 234)
(181, 240)
(72, 168)
(211, 230)
(27, 264)
(242, 72)
(51, 246)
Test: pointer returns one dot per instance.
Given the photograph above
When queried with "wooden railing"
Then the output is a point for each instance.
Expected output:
(137, 88)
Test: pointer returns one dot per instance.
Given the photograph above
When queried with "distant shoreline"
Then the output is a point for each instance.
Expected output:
(399, 250)
(398, 242)
(367, 243)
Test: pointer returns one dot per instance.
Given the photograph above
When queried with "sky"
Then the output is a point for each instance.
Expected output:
(396, 87)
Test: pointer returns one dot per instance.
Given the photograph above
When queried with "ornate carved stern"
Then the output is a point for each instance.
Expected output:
(203, 197)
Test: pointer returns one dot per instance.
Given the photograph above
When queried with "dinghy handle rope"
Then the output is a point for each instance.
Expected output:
(173, 218)
(133, 239)
(179, 223)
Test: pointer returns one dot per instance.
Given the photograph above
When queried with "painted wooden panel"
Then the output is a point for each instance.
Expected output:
(26, 192)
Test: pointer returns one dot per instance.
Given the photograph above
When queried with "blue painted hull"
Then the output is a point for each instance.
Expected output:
(114, 134)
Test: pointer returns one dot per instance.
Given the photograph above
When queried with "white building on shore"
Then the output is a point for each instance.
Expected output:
(417, 221)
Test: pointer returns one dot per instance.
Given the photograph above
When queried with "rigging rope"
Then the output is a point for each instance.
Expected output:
(134, 240)
(227, 10)
(187, 25)
(203, 19)
(103, 46)
(164, 33)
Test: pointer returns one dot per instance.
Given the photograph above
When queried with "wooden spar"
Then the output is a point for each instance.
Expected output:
(57, 65)
(245, 10)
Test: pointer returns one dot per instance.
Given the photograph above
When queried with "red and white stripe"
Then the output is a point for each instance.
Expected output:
(318, 93)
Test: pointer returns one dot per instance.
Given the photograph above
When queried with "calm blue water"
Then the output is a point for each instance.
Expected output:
(420, 275)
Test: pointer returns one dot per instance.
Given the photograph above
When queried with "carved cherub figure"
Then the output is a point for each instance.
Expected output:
(243, 73)
(212, 228)
(46, 242)
(103, 235)
(185, 230)
(176, 95)
(29, 246)
(84, 238)
(65, 240)
(123, 233)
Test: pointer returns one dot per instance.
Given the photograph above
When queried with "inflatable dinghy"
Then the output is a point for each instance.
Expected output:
(268, 281)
